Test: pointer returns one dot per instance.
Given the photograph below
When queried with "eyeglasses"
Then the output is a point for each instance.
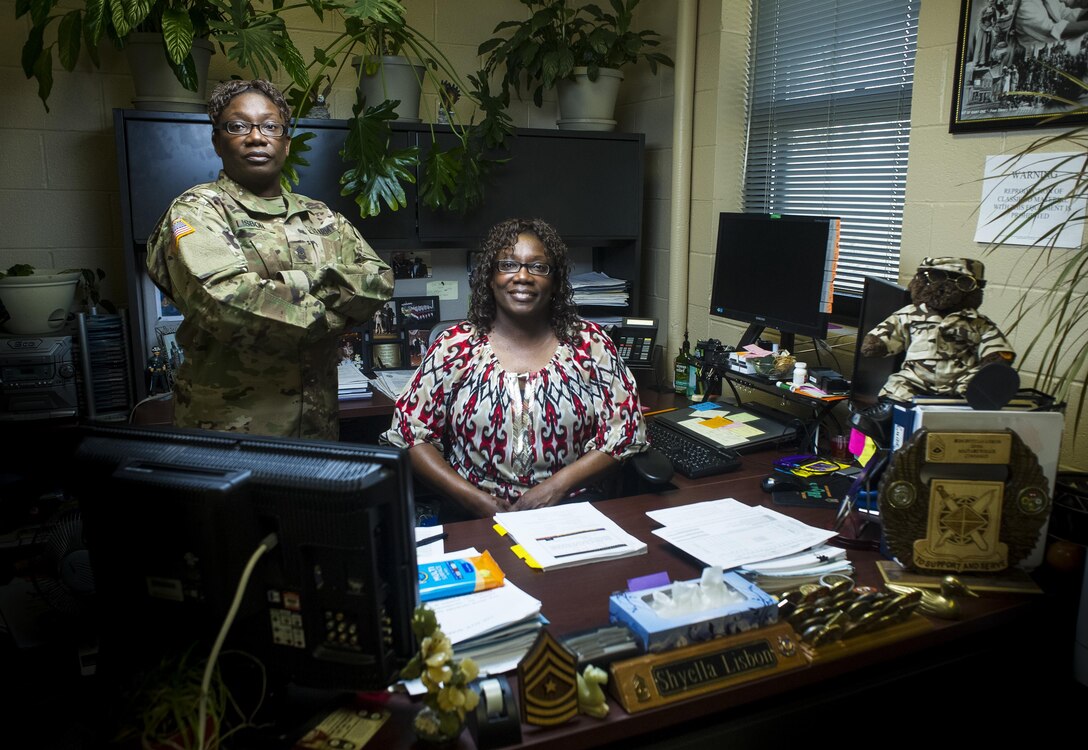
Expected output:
(962, 281)
(512, 266)
(241, 127)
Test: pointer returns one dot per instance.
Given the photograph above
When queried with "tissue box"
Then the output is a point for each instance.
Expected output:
(752, 608)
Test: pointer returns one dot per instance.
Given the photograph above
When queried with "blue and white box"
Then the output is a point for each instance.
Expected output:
(748, 607)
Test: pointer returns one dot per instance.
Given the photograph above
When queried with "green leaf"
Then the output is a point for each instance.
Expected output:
(43, 71)
(68, 39)
(255, 45)
(177, 33)
(289, 177)
(32, 50)
(441, 171)
(377, 172)
(94, 24)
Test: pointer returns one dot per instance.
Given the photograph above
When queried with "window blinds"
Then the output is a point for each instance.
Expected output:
(829, 122)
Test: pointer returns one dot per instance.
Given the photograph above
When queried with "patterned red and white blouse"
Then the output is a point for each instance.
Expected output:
(505, 432)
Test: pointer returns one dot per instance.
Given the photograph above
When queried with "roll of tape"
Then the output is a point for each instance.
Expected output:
(491, 691)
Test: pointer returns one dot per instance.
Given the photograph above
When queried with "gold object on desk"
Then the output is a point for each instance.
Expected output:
(954, 502)
(841, 621)
(943, 603)
(548, 683)
(653, 680)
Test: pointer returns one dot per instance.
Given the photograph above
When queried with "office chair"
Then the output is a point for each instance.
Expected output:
(438, 329)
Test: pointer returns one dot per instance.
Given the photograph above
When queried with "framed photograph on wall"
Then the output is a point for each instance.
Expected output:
(167, 310)
(167, 335)
(417, 312)
(385, 324)
(1018, 64)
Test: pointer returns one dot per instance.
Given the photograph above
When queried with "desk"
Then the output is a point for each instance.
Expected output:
(992, 650)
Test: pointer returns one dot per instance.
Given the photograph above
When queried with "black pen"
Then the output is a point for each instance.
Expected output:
(435, 538)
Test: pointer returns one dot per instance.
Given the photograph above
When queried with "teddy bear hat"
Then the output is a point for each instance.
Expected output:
(964, 266)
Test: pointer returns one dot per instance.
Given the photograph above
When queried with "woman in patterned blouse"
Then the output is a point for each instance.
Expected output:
(524, 404)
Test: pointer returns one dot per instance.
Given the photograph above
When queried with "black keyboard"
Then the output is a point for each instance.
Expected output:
(690, 457)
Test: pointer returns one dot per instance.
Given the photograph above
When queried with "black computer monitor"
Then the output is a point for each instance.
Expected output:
(172, 517)
(775, 271)
(879, 299)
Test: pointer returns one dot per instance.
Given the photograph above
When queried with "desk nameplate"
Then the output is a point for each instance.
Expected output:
(654, 680)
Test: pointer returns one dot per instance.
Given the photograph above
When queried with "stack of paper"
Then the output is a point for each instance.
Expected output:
(495, 627)
(353, 384)
(569, 534)
(764, 544)
(790, 571)
(596, 288)
(392, 382)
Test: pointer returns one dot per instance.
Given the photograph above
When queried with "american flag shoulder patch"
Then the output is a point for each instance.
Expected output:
(180, 228)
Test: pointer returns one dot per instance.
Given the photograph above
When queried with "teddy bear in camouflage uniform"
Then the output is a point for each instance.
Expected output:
(947, 341)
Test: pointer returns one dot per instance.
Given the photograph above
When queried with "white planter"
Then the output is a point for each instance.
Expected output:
(157, 88)
(397, 79)
(38, 304)
(586, 104)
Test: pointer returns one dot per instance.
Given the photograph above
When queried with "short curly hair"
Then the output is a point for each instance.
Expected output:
(223, 93)
(502, 237)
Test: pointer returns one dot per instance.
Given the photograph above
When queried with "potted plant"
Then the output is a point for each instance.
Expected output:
(451, 178)
(579, 51)
(181, 29)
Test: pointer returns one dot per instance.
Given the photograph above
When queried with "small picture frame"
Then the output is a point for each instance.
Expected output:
(353, 346)
(166, 308)
(411, 264)
(385, 325)
(167, 335)
(417, 312)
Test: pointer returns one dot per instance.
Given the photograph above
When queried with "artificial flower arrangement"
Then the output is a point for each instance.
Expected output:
(449, 697)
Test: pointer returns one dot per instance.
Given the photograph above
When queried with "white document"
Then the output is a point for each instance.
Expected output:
(569, 534)
(810, 558)
(1049, 177)
(470, 615)
(711, 510)
(430, 544)
(743, 538)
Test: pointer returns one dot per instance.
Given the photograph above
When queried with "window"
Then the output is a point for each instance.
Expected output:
(829, 124)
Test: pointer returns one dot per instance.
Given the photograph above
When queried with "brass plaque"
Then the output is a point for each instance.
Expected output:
(654, 680)
(963, 530)
(968, 447)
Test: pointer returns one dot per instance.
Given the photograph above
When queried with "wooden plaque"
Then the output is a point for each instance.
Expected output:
(654, 680)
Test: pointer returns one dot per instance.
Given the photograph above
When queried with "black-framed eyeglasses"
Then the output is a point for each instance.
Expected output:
(512, 266)
(241, 127)
(963, 282)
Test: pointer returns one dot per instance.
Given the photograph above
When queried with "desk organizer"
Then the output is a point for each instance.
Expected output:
(751, 608)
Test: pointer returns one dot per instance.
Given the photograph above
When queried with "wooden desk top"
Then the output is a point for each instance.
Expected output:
(577, 598)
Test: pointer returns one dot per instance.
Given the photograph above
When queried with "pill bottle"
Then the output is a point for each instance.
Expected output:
(800, 374)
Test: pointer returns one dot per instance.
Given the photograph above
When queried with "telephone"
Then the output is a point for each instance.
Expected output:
(635, 338)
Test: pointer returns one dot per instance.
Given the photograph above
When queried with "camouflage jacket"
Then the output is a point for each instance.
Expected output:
(266, 286)
(942, 351)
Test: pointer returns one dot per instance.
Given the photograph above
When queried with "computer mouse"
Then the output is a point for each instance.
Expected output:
(773, 484)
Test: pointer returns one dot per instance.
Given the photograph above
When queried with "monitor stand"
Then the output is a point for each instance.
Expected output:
(754, 331)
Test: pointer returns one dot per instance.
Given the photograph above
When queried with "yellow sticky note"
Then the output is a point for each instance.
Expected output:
(867, 452)
(499, 530)
(716, 422)
(518, 550)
